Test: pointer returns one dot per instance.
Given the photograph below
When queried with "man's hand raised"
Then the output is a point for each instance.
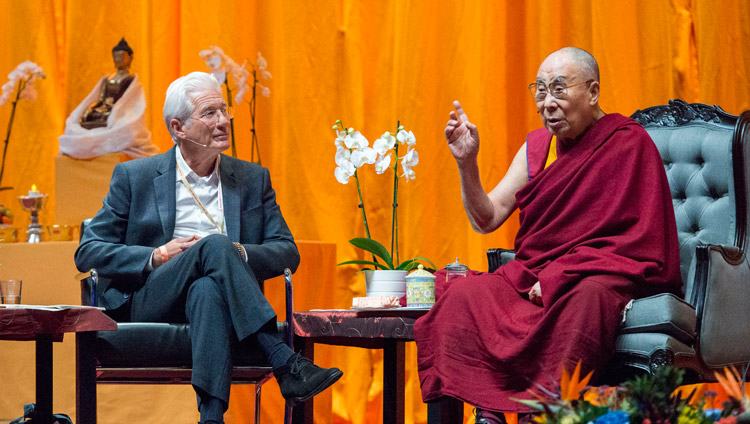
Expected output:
(462, 135)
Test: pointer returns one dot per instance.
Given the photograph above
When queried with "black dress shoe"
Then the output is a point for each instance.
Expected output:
(488, 417)
(300, 379)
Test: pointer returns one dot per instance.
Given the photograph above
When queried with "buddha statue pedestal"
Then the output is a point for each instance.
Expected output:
(80, 186)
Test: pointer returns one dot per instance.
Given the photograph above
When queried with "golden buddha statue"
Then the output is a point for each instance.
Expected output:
(113, 87)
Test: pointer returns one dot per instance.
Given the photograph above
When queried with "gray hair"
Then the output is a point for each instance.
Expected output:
(584, 59)
(178, 103)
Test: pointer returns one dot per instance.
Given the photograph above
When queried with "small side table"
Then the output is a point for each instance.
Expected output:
(387, 329)
(47, 324)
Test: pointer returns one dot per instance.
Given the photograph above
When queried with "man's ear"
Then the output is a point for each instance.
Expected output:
(177, 127)
(594, 93)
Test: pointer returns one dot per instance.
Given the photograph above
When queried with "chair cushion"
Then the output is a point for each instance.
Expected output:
(661, 313)
(149, 344)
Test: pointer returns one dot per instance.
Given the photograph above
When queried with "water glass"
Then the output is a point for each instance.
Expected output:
(10, 292)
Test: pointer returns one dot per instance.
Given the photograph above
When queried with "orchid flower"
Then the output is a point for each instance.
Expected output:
(365, 155)
(406, 137)
(27, 72)
(384, 143)
(355, 140)
(383, 163)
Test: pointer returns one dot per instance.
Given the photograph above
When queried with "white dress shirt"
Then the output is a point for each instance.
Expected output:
(189, 218)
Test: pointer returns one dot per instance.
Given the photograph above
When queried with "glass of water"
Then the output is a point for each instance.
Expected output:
(10, 292)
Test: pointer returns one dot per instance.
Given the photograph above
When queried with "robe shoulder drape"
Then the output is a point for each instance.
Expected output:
(596, 230)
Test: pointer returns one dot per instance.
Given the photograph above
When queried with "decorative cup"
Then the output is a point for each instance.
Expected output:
(33, 204)
(10, 292)
(420, 289)
(61, 232)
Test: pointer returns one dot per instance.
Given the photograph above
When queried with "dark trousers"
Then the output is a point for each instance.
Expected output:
(210, 287)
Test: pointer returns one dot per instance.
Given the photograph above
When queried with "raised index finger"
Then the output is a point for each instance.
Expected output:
(460, 112)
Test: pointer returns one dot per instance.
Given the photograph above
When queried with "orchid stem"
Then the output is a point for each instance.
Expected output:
(254, 142)
(394, 221)
(21, 86)
(364, 215)
(231, 121)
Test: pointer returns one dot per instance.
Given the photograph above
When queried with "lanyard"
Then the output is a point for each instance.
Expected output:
(200, 204)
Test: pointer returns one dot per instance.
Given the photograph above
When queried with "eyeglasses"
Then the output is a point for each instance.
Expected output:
(212, 115)
(558, 90)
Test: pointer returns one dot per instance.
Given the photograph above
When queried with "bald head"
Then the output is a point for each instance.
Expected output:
(573, 74)
(584, 60)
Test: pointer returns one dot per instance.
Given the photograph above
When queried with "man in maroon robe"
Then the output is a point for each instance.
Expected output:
(596, 229)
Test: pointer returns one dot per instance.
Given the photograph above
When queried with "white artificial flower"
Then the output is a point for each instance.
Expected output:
(27, 71)
(265, 74)
(384, 143)
(340, 135)
(356, 141)
(411, 158)
(409, 173)
(366, 155)
(220, 75)
(265, 91)
(406, 137)
(262, 64)
(382, 164)
(342, 156)
(345, 169)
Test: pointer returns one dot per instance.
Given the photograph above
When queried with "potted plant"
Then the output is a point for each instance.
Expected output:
(385, 273)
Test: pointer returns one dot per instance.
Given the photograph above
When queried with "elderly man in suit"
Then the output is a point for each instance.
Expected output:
(186, 235)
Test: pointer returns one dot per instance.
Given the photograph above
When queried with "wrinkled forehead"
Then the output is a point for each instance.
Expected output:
(208, 99)
(558, 68)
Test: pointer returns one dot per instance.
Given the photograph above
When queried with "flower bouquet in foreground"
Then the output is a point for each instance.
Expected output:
(646, 399)
(353, 151)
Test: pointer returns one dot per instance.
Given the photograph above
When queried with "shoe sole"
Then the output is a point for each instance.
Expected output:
(334, 377)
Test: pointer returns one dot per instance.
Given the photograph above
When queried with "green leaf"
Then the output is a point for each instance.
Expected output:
(375, 248)
(407, 265)
(361, 262)
(426, 260)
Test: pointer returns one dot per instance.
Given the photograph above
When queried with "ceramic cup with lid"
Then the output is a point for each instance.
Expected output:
(420, 288)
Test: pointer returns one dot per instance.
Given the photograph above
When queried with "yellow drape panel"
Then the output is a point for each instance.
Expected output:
(370, 63)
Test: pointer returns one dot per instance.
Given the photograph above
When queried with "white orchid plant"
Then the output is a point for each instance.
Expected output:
(220, 65)
(22, 81)
(353, 151)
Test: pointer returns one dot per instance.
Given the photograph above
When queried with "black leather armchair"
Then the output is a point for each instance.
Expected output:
(706, 153)
(156, 353)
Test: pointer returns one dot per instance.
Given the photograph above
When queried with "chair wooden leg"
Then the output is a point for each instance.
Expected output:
(258, 387)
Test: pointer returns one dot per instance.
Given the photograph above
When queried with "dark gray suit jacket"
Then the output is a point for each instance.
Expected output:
(138, 214)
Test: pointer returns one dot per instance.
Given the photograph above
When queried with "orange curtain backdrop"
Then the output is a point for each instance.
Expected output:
(370, 64)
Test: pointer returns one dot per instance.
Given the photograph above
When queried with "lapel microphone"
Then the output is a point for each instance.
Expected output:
(195, 142)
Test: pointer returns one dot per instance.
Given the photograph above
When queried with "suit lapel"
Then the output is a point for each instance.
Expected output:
(164, 187)
(230, 191)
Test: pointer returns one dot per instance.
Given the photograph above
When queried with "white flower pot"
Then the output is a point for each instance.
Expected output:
(385, 283)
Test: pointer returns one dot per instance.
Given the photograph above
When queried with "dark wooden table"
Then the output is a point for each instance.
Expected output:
(46, 325)
(387, 329)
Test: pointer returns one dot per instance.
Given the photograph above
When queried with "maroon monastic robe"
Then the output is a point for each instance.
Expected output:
(597, 229)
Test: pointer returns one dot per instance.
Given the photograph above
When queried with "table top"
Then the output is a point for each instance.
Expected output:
(25, 322)
(357, 328)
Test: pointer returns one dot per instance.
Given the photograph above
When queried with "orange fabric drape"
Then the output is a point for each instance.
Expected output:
(371, 64)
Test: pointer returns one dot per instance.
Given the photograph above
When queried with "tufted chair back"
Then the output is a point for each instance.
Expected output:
(705, 164)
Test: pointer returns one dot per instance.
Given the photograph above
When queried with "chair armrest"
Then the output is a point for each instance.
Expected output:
(289, 306)
(721, 292)
(499, 257)
(89, 282)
